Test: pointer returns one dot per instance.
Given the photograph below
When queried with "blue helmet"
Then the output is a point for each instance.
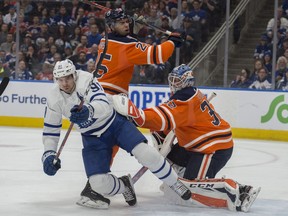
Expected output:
(180, 77)
(114, 15)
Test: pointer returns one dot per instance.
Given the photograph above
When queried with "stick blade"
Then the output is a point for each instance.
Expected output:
(4, 84)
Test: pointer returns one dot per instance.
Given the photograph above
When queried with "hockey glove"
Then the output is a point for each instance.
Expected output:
(157, 139)
(177, 38)
(138, 23)
(82, 115)
(48, 166)
(125, 106)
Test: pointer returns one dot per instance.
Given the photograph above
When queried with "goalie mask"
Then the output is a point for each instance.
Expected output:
(115, 15)
(64, 68)
(180, 77)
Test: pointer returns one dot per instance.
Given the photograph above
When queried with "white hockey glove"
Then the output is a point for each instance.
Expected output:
(157, 139)
(124, 106)
(137, 23)
(163, 143)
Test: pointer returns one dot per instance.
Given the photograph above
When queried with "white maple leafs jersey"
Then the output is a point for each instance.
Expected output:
(60, 103)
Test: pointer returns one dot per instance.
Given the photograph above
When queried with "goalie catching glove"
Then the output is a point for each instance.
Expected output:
(124, 106)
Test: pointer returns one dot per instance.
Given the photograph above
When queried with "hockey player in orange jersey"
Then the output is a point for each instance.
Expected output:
(124, 52)
(204, 145)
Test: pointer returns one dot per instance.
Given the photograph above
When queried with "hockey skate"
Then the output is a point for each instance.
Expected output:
(129, 193)
(181, 190)
(92, 199)
(248, 194)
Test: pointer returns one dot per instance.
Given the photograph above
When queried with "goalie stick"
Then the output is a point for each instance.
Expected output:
(4, 84)
(169, 139)
(82, 100)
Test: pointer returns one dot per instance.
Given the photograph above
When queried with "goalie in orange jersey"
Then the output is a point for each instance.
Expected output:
(205, 142)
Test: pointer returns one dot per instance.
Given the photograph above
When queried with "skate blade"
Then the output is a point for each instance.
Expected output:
(86, 202)
(248, 202)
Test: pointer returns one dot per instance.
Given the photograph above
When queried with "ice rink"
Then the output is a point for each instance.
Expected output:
(25, 190)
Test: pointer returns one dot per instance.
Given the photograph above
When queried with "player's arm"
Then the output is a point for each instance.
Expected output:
(50, 138)
(142, 53)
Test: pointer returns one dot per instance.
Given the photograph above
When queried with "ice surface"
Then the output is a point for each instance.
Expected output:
(25, 190)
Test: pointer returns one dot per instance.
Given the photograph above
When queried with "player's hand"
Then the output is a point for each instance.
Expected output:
(177, 38)
(48, 163)
(137, 23)
(82, 115)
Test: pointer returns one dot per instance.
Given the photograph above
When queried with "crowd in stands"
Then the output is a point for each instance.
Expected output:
(51, 30)
(261, 76)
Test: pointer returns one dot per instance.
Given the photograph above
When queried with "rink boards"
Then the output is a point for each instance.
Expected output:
(252, 114)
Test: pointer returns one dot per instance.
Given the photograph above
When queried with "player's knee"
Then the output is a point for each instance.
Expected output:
(146, 155)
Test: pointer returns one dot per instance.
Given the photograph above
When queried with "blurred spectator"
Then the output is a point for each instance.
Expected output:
(81, 63)
(283, 83)
(93, 35)
(4, 71)
(32, 60)
(46, 18)
(50, 55)
(281, 68)
(61, 37)
(211, 7)
(22, 72)
(242, 80)
(284, 7)
(282, 48)
(68, 52)
(3, 33)
(26, 43)
(46, 73)
(267, 61)
(81, 18)
(92, 53)
(282, 23)
(262, 82)
(90, 66)
(262, 47)
(11, 17)
(199, 18)
(34, 29)
(10, 57)
(8, 44)
(75, 37)
(258, 64)
(193, 40)
(63, 17)
(143, 74)
(163, 9)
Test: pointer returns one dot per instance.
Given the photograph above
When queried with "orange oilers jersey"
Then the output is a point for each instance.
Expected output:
(116, 70)
(198, 127)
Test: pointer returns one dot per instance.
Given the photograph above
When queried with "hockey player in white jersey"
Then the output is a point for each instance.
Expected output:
(100, 127)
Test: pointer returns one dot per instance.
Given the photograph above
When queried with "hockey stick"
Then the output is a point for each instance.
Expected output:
(169, 139)
(82, 100)
(4, 84)
(138, 21)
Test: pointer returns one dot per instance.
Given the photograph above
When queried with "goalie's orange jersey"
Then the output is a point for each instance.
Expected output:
(122, 54)
(198, 127)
